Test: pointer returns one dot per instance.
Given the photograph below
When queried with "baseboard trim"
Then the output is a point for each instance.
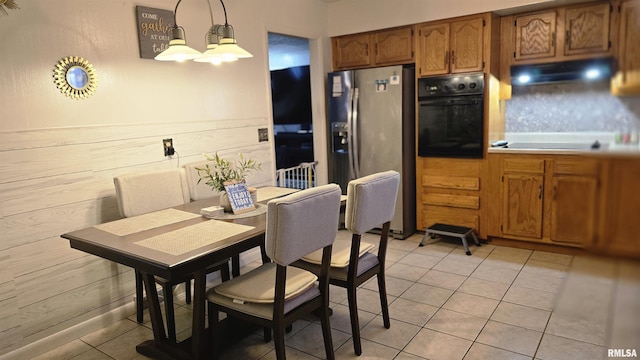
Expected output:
(96, 323)
(65, 336)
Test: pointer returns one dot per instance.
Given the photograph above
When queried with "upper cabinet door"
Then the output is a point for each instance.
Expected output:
(467, 45)
(351, 51)
(393, 46)
(535, 36)
(587, 29)
(434, 49)
(627, 80)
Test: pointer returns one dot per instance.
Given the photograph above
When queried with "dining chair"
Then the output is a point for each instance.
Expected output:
(198, 190)
(275, 294)
(145, 192)
(371, 202)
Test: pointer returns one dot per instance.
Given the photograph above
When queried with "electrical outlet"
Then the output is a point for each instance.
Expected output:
(168, 147)
(263, 134)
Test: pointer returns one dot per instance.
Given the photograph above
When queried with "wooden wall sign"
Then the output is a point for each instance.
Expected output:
(154, 30)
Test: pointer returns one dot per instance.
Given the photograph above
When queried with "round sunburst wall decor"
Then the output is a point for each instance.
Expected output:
(75, 77)
(8, 4)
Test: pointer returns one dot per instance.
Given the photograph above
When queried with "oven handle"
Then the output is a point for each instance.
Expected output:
(450, 102)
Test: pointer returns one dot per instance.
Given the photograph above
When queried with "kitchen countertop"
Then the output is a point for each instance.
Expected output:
(567, 149)
(569, 143)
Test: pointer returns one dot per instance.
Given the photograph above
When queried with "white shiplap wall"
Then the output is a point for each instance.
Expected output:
(59, 155)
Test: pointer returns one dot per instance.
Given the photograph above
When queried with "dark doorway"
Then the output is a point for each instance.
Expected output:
(291, 100)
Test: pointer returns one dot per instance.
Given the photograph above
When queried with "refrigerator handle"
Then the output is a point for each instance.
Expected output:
(355, 131)
(349, 134)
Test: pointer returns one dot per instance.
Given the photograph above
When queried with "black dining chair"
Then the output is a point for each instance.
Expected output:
(275, 294)
(371, 203)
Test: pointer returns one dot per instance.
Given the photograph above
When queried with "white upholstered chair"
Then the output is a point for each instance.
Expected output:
(198, 191)
(145, 192)
(370, 204)
(274, 295)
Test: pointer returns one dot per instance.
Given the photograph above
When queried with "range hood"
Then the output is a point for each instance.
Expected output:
(586, 70)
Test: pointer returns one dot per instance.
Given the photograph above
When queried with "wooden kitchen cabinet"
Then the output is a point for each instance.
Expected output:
(580, 31)
(449, 192)
(393, 46)
(351, 51)
(535, 36)
(451, 47)
(564, 33)
(621, 209)
(377, 48)
(574, 201)
(627, 79)
(522, 193)
(547, 198)
(586, 29)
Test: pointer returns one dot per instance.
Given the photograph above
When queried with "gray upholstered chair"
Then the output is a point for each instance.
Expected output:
(371, 202)
(145, 192)
(274, 295)
(198, 190)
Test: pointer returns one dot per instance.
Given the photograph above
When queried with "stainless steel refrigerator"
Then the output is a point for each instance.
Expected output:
(371, 119)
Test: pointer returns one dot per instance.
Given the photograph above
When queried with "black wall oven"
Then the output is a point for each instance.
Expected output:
(450, 116)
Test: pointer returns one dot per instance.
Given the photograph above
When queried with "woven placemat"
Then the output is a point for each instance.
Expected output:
(144, 222)
(190, 238)
(270, 192)
(260, 209)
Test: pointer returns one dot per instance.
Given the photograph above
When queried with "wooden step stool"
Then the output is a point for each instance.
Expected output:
(453, 231)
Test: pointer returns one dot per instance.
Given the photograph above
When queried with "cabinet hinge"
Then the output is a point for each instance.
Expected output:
(515, 23)
(609, 45)
(619, 8)
(483, 64)
(514, 54)
(484, 22)
(611, 7)
(501, 228)
(502, 178)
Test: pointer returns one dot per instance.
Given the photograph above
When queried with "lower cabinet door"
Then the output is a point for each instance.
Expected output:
(573, 209)
(522, 205)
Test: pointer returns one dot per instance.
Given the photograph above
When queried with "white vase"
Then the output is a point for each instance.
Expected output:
(224, 202)
(254, 195)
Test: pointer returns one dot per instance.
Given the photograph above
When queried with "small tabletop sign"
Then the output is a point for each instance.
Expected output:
(239, 196)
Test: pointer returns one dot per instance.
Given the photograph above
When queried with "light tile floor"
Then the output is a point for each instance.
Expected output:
(498, 303)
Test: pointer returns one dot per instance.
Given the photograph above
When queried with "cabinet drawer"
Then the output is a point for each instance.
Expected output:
(456, 201)
(451, 182)
(529, 166)
(573, 167)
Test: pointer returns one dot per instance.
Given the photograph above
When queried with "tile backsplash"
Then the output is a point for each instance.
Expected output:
(570, 107)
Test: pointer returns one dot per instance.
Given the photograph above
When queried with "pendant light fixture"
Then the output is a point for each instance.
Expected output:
(178, 49)
(213, 40)
(221, 43)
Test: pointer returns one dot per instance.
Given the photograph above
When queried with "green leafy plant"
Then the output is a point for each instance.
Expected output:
(219, 170)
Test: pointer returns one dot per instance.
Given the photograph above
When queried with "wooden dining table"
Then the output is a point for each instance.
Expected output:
(175, 244)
